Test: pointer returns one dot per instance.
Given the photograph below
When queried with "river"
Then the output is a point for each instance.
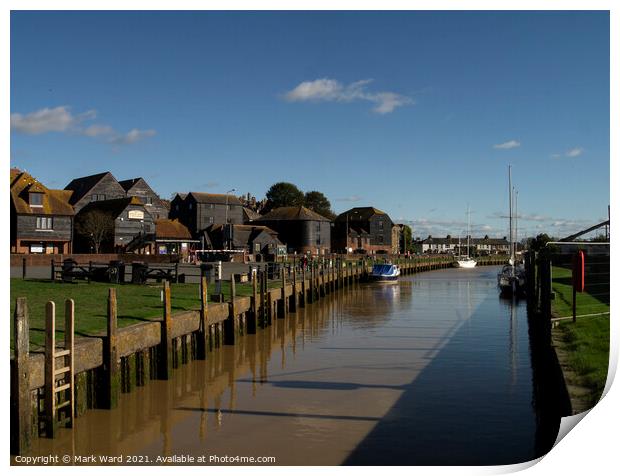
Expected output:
(432, 369)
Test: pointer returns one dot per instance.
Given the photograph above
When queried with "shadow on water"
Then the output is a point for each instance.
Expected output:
(458, 412)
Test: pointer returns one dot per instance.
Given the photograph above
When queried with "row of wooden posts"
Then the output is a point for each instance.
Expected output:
(67, 394)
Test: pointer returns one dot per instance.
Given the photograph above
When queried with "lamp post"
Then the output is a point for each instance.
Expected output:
(226, 219)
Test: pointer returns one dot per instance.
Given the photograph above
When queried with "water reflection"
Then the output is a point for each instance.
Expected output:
(433, 369)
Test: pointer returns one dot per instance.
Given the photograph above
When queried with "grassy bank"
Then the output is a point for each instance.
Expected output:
(594, 300)
(584, 349)
(136, 303)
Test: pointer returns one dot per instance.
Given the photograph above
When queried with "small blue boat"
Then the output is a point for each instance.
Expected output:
(385, 272)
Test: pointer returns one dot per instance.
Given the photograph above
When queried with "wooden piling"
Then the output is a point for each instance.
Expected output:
(230, 324)
(21, 406)
(51, 425)
(293, 298)
(282, 304)
(252, 322)
(202, 335)
(165, 356)
(111, 360)
(302, 300)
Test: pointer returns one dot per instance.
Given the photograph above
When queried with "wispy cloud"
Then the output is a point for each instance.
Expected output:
(571, 153)
(326, 89)
(511, 144)
(574, 152)
(209, 185)
(352, 198)
(61, 119)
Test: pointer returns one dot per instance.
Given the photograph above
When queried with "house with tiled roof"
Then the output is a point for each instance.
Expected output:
(258, 240)
(301, 229)
(363, 230)
(41, 218)
(198, 210)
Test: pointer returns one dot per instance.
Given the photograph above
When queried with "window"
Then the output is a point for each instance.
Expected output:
(44, 223)
(210, 219)
(36, 199)
(96, 197)
(380, 239)
(211, 206)
(256, 247)
(380, 224)
(190, 205)
(148, 200)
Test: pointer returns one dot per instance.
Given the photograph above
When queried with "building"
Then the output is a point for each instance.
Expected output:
(363, 230)
(172, 237)
(94, 188)
(198, 210)
(301, 229)
(104, 186)
(110, 226)
(137, 187)
(458, 246)
(41, 218)
(257, 240)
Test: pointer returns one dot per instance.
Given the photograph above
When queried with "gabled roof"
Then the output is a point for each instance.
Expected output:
(299, 213)
(360, 214)
(113, 206)
(172, 229)
(127, 184)
(219, 198)
(250, 215)
(81, 186)
(242, 234)
(54, 202)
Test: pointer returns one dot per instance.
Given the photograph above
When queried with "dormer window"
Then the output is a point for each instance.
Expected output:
(35, 199)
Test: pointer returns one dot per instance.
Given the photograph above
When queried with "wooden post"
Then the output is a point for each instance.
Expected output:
(203, 332)
(165, 346)
(69, 360)
(21, 407)
(23, 268)
(282, 307)
(230, 324)
(293, 298)
(53, 275)
(111, 360)
(302, 301)
(263, 302)
(51, 425)
(254, 305)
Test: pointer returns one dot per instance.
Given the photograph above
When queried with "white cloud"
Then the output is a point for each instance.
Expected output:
(61, 119)
(575, 152)
(58, 119)
(97, 130)
(352, 198)
(511, 144)
(131, 137)
(326, 89)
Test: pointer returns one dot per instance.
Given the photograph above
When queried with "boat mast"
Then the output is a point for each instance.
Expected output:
(510, 212)
(468, 230)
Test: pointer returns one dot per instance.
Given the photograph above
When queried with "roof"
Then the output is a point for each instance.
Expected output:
(81, 186)
(114, 206)
(463, 239)
(55, 202)
(360, 214)
(249, 214)
(172, 229)
(127, 184)
(242, 234)
(201, 197)
(299, 213)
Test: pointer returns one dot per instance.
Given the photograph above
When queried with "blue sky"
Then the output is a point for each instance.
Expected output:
(415, 113)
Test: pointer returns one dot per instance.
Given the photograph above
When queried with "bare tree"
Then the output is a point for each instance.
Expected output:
(95, 226)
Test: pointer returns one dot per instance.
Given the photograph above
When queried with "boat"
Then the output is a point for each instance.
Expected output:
(385, 272)
(511, 279)
(466, 261)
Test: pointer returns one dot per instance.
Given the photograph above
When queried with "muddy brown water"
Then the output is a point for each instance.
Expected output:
(432, 369)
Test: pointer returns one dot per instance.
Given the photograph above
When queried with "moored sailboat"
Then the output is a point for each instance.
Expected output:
(511, 279)
(466, 261)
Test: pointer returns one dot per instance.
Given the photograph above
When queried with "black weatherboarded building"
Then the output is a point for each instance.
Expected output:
(301, 229)
(198, 210)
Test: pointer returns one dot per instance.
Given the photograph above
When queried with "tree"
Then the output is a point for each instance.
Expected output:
(408, 244)
(94, 226)
(283, 194)
(318, 202)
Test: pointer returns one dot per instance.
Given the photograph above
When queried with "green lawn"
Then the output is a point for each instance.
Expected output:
(587, 303)
(136, 303)
(587, 344)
